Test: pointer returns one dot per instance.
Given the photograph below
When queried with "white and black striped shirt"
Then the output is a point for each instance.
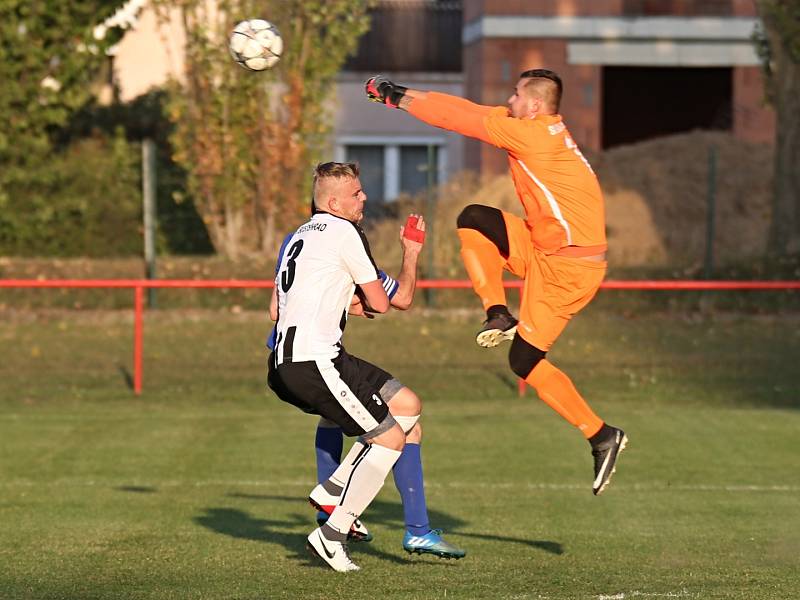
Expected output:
(324, 260)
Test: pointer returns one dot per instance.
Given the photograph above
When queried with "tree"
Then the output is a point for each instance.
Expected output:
(779, 46)
(49, 57)
(247, 139)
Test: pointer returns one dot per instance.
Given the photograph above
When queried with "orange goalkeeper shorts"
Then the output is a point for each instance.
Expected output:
(555, 287)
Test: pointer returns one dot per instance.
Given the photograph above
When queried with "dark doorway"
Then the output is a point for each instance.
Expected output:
(646, 102)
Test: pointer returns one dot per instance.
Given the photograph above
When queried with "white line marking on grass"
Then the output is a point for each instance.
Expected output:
(639, 487)
(638, 594)
(645, 487)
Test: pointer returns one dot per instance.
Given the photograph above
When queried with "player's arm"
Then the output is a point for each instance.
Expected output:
(357, 260)
(400, 290)
(412, 237)
(434, 108)
(442, 98)
(356, 308)
(373, 297)
(273, 301)
(273, 304)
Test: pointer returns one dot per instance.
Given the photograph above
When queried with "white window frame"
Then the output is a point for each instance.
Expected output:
(391, 156)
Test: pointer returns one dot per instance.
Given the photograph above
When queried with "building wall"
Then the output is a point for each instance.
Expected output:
(475, 8)
(148, 55)
(505, 37)
(753, 119)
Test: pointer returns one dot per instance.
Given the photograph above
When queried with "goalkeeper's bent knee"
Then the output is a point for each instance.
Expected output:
(523, 357)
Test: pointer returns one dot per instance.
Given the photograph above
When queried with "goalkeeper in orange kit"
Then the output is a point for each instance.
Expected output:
(558, 249)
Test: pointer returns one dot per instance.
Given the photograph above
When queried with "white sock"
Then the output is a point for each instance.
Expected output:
(342, 472)
(366, 480)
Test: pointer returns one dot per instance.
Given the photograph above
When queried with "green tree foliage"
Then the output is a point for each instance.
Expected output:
(778, 42)
(49, 58)
(248, 140)
(84, 201)
(180, 229)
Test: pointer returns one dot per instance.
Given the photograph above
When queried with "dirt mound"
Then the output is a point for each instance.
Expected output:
(657, 199)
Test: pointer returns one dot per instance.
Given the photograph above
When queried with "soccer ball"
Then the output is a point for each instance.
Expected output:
(256, 44)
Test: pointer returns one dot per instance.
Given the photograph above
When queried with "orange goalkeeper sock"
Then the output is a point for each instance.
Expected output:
(484, 265)
(558, 392)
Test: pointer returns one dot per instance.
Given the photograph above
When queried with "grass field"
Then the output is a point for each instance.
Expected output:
(196, 489)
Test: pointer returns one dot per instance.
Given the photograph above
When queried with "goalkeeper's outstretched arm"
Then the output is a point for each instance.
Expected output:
(434, 108)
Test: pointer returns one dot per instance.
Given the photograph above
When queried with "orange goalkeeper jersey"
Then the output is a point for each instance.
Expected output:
(554, 181)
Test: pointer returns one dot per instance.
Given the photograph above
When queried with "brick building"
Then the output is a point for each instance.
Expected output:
(632, 69)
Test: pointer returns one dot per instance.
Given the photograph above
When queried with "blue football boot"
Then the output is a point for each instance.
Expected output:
(431, 543)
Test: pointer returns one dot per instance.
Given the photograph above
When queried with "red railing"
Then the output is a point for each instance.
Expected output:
(139, 285)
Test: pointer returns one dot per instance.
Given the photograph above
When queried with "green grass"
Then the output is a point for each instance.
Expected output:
(196, 489)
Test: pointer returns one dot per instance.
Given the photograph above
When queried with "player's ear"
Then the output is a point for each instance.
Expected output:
(534, 106)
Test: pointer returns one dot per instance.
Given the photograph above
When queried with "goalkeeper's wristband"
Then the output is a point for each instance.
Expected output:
(394, 95)
(380, 89)
(390, 286)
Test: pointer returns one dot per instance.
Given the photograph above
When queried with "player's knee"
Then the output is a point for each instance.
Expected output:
(415, 435)
(394, 438)
(470, 217)
(405, 402)
(523, 357)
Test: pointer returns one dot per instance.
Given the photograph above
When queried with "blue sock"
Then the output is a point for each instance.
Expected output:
(408, 479)
(328, 445)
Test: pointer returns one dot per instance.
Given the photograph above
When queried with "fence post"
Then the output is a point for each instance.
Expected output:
(430, 223)
(711, 212)
(149, 191)
(137, 339)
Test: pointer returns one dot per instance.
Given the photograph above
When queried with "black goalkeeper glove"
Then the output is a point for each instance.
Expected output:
(380, 89)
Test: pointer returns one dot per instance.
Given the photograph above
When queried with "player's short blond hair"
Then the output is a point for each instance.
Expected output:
(335, 170)
(330, 170)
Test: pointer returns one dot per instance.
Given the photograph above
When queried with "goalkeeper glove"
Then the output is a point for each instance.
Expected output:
(380, 89)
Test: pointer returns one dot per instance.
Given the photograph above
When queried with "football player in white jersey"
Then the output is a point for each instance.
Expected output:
(324, 261)
(418, 537)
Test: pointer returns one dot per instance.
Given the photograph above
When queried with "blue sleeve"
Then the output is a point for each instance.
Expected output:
(273, 334)
(390, 285)
(284, 243)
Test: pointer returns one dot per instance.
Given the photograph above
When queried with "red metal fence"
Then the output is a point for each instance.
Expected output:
(139, 285)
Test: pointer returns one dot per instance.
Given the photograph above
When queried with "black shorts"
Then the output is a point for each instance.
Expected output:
(345, 390)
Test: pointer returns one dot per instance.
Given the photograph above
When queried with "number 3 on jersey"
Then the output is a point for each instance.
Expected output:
(287, 276)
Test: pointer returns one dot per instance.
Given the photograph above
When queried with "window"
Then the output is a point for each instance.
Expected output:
(370, 160)
(388, 170)
(414, 168)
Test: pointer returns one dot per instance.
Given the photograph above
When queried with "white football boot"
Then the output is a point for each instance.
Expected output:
(325, 502)
(334, 554)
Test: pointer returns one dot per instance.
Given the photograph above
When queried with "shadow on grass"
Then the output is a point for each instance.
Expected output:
(551, 547)
(390, 514)
(136, 489)
(126, 376)
(239, 524)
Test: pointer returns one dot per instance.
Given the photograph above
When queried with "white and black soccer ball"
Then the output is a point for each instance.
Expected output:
(256, 44)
